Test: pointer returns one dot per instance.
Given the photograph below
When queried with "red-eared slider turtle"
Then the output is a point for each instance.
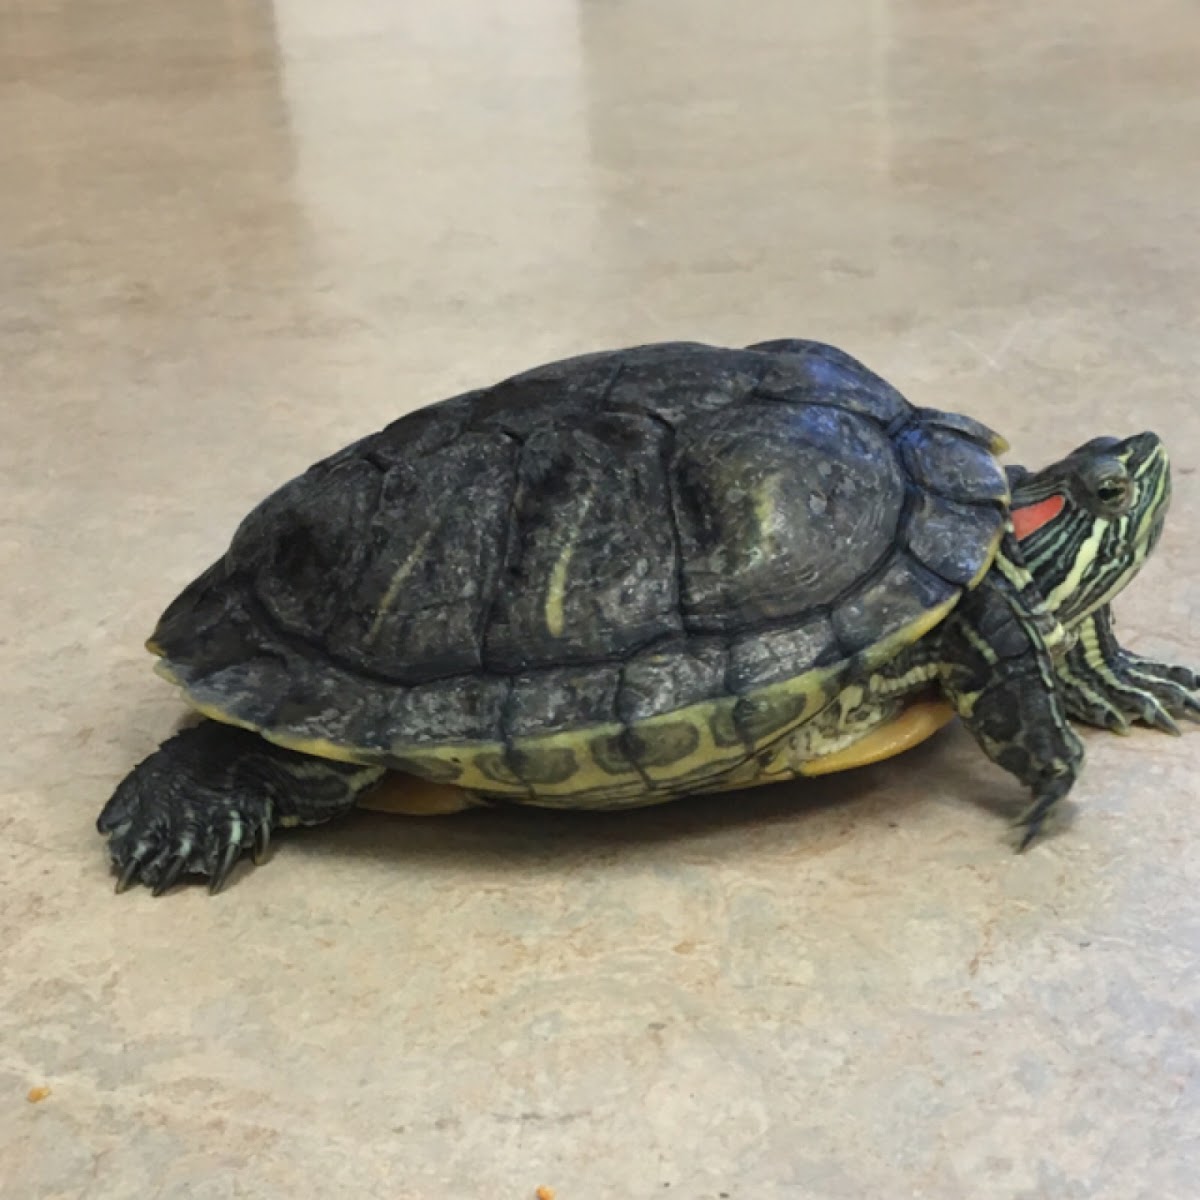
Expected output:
(635, 575)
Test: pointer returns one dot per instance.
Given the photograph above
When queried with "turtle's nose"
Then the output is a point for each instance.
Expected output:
(1142, 446)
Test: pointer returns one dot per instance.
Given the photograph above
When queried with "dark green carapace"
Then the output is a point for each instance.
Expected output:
(631, 576)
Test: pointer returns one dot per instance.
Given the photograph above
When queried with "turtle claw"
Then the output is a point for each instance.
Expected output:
(1128, 691)
(1032, 829)
(1030, 823)
(262, 842)
(229, 856)
(1162, 720)
(170, 876)
(1163, 697)
(128, 875)
(1052, 787)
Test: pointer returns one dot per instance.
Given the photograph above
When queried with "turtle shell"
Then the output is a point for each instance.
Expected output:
(607, 580)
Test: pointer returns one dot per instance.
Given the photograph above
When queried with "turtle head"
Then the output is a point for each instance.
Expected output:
(1088, 522)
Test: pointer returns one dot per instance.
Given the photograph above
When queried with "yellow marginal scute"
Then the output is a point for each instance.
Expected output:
(315, 747)
(589, 774)
(163, 669)
(989, 558)
(805, 695)
(887, 649)
(706, 753)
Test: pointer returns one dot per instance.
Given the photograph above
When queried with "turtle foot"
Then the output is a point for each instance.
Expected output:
(1106, 685)
(1175, 690)
(1047, 793)
(192, 808)
(1127, 688)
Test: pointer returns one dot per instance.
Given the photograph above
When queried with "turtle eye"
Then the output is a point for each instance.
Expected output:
(1113, 494)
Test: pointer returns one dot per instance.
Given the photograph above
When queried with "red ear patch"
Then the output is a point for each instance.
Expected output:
(1032, 517)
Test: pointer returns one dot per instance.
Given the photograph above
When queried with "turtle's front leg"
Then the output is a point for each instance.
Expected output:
(210, 793)
(998, 673)
(1105, 685)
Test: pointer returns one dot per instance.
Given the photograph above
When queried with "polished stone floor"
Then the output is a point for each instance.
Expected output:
(234, 236)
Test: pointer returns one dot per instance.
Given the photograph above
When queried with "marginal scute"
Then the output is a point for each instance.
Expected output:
(757, 660)
(609, 752)
(646, 747)
(427, 766)
(662, 681)
(770, 713)
(467, 709)
(249, 692)
(723, 726)
(662, 744)
(668, 753)
(533, 764)
(544, 702)
(313, 706)
(953, 465)
(957, 541)
(892, 599)
(977, 431)
(494, 768)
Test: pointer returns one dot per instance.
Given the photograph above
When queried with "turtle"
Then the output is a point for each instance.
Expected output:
(636, 575)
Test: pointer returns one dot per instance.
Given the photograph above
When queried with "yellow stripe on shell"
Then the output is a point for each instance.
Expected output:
(557, 590)
(389, 597)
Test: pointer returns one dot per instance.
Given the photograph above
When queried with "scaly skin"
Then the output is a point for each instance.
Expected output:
(1105, 685)
(212, 792)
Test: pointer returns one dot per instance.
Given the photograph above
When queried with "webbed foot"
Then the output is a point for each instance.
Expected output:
(211, 793)
(1105, 685)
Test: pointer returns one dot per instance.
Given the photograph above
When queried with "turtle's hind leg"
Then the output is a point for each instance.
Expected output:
(212, 792)
(999, 674)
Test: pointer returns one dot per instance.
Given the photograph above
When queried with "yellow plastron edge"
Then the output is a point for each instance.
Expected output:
(917, 723)
(413, 797)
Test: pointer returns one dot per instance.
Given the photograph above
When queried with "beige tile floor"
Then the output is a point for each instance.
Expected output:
(233, 239)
